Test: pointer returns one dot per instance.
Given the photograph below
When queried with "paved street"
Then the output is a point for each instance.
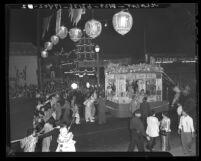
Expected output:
(91, 137)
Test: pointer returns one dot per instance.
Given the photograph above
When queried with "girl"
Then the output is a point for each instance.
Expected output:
(165, 131)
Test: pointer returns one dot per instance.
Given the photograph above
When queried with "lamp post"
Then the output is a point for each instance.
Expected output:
(97, 49)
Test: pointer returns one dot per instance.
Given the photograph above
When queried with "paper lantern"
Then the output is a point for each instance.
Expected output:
(48, 45)
(63, 32)
(55, 39)
(93, 28)
(122, 22)
(75, 34)
(44, 54)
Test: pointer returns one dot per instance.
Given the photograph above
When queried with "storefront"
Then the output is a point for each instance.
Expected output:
(122, 82)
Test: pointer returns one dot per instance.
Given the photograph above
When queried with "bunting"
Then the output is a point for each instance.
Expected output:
(46, 22)
(58, 20)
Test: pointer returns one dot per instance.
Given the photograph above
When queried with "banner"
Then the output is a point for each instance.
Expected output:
(58, 20)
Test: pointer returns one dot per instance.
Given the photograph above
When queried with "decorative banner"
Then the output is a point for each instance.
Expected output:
(93, 28)
(75, 34)
(63, 32)
(75, 15)
(48, 45)
(122, 22)
(55, 39)
(58, 20)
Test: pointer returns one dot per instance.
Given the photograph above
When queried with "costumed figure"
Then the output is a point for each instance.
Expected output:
(65, 141)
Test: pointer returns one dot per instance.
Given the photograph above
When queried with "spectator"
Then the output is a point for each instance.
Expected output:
(145, 111)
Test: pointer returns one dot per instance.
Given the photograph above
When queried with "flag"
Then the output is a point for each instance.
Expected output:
(46, 22)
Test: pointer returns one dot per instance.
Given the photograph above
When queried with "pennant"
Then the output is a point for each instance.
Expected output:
(46, 22)
(75, 15)
(58, 20)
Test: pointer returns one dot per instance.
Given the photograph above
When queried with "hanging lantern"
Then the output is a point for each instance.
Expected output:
(55, 39)
(48, 45)
(122, 22)
(75, 34)
(63, 32)
(44, 54)
(93, 28)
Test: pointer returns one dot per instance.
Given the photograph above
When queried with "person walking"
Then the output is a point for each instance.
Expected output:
(165, 131)
(145, 111)
(152, 130)
(187, 131)
(101, 109)
(137, 132)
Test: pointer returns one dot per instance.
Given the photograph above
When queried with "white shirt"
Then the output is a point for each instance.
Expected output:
(152, 126)
(186, 124)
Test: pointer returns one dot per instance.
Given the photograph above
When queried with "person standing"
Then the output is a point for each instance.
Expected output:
(93, 108)
(187, 131)
(101, 110)
(133, 105)
(152, 130)
(137, 132)
(66, 112)
(88, 105)
(165, 131)
(145, 111)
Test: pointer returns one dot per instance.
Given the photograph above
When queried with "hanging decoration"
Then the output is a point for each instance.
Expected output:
(48, 45)
(122, 22)
(75, 15)
(93, 28)
(44, 54)
(75, 34)
(55, 39)
(63, 32)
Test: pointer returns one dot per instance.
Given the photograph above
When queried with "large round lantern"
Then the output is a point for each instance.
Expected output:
(93, 28)
(63, 32)
(75, 34)
(48, 45)
(44, 54)
(55, 39)
(122, 22)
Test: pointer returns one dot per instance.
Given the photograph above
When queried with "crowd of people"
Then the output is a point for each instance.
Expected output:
(145, 124)
(64, 109)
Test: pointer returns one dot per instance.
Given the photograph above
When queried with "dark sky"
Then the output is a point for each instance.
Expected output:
(168, 30)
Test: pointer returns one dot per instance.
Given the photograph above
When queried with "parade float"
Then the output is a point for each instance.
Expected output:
(124, 82)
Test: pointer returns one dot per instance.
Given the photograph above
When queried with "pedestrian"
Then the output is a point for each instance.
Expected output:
(152, 130)
(137, 132)
(66, 112)
(133, 105)
(101, 109)
(87, 103)
(145, 111)
(76, 113)
(165, 131)
(187, 131)
(93, 108)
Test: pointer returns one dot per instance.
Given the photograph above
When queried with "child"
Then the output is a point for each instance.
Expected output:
(165, 131)
(186, 129)
(152, 130)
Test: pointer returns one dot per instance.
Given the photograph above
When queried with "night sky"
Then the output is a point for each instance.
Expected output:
(168, 30)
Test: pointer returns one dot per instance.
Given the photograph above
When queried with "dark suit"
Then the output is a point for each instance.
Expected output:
(145, 111)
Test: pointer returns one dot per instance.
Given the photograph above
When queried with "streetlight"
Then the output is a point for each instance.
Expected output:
(97, 49)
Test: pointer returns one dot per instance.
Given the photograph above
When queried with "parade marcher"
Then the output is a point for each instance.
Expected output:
(88, 105)
(145, 111)
(152, 130)
(133, 105)
(187, 131)
(101, 109)
(165, 131)
(137, 132)
(62, 139)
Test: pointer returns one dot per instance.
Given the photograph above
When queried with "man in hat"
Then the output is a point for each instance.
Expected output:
(137, 132)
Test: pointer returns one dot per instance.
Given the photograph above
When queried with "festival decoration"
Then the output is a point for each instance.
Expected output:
(44, 54)
(55, 39)
(48, 46)
(93, 28)
(63, 32)
(116, 68)
(122, 22)
(75, 15)
(75, 34)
